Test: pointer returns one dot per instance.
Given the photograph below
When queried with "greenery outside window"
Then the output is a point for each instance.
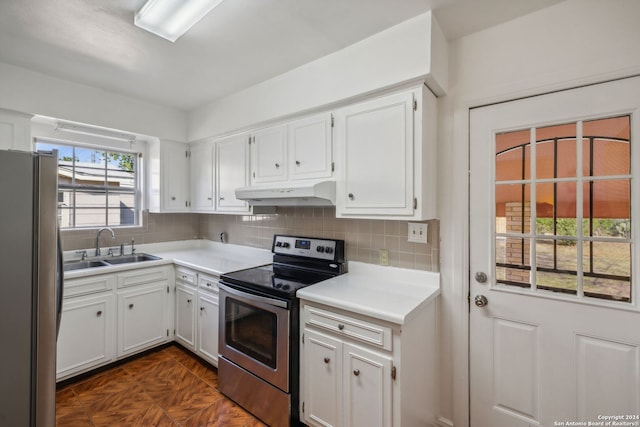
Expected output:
(97, 186)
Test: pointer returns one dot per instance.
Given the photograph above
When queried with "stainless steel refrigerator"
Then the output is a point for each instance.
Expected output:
(31, 287)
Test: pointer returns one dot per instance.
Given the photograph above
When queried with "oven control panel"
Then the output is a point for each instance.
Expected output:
(325, 249)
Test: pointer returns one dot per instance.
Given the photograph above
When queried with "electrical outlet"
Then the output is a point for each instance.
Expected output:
(384, 256)
(417, 232)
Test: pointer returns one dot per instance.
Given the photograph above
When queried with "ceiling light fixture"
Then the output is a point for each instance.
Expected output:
(94, 131)
(170, 19)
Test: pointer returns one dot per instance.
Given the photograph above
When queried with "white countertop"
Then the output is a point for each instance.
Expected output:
(386, 293)
(203, 255)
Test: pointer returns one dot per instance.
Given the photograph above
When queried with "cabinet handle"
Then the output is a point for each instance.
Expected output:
(356, 372)
(340, 326)
(351, 196)
(208, 285)
(201, 308)
(189, 301)
(99, 313)
(297, 162)
(173, 197)
(326, 360)
(277, 165)
(130, 306)
(221, 198)
(209, 198)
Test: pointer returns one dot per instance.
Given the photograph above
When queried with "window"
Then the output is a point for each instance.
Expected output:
(97, 186)
(576, 237)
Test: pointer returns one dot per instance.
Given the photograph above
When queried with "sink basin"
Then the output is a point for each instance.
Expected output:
(126, 259)
(78, 265)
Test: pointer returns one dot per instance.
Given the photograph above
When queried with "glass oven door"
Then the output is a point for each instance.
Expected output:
(254, 334)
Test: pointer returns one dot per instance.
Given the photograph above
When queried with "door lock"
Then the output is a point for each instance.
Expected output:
(481, 277)
(481, 301)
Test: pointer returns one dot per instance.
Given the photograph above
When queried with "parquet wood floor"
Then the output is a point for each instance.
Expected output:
(166, 388)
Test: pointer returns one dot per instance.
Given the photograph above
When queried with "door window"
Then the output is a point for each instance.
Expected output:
(563, 208)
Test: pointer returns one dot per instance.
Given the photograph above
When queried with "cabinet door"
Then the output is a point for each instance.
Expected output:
(269, 155)
(186, 316)
(142, 318)
(87, 332)
(232, 168)
(15, 131)
(376, 145)
(208, 326)
(175, 177)
(310, 147)
(201, 169)
(367, 387)
(322, 373)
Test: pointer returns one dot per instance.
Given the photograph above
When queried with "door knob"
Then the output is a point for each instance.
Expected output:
(480, 277)
(481, 300)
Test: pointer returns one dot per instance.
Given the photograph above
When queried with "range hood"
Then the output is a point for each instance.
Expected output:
(290, 194)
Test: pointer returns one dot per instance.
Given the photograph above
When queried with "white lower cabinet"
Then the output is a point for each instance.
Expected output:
(142, 318)
(110, 316)
(197, 313)
(207, 343)
(87, 334)
(185, 325)
(358, 371)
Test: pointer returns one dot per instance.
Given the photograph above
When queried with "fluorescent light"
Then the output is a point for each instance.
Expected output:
(170, 19)
(94, 131)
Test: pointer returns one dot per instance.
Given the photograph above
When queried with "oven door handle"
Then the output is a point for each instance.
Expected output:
(253, 297)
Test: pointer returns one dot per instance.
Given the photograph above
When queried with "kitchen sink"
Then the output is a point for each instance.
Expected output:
(125, 259)
(106, 262)
(78, 265)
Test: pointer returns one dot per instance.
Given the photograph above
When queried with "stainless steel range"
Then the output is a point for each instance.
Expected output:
(259, 364)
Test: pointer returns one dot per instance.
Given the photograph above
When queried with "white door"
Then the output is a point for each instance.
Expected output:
(233, 172)
(269, 155)
(555, 331)
(310, 147)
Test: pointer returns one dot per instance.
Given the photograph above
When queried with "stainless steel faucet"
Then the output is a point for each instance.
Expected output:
(113, 236)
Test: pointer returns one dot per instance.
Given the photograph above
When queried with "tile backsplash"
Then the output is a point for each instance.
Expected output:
(363, 238)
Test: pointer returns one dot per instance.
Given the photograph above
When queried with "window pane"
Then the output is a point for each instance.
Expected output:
(96, 187)
(556, 262)
(90, 199)
(608, 140)
(556, 151)
(607, 208)
(512, 205)
(607, 269)
(512, 155)
(513, 261)
(90, 217)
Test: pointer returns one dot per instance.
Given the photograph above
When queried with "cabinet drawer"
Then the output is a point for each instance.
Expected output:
(351, 327)
(185, 275)
(88, 285)
(209, 283)
(141, 276)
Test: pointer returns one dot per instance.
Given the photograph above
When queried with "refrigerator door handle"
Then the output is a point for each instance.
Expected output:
(59, 285)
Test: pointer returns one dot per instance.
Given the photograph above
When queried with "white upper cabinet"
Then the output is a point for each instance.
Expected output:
(269, 155)
(15, 131)
(202, 177)
(296, 150)
(387, 155)
(168, 176)
(232, 171)
(310, 148)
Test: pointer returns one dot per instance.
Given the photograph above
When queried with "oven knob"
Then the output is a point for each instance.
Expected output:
(320, 249)
(277, 285)
(278, 244)
(285, 244)
(328, 250)
(286, 287)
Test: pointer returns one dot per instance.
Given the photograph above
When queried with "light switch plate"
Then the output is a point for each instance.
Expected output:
(417, 232)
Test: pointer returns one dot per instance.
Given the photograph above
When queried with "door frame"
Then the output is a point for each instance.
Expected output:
(457, 273)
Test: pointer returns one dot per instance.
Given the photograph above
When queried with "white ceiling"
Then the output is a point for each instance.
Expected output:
(239, 44)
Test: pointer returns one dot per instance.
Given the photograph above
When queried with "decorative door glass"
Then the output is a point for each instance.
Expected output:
(575, 238)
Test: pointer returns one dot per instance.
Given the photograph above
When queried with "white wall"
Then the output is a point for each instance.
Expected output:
(572, 43)
(35, 93)
(398, 54)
